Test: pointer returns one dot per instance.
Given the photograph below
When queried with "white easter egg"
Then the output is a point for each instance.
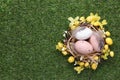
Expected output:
(83, 33)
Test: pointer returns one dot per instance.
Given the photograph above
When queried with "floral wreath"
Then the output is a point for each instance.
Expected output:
(86, 42)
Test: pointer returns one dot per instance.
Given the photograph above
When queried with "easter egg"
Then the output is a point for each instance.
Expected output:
(83, 47)
(96, 41)
(83, 33)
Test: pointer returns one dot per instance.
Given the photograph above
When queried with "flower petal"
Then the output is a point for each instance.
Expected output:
(76, 18)
(71, 19)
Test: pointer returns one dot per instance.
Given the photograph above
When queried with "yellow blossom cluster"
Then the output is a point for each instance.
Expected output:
(78, 69)
(93, 19)
(74, 22)
(82, 65)
(61, 47)
(106, 50)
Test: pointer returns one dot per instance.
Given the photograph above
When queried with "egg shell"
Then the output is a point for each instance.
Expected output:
(83, 47)
(83, 33)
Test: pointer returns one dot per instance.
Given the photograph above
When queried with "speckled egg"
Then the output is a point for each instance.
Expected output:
(83, 33)
(83, 47)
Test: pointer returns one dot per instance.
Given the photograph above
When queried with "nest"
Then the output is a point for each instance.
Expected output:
(70, 40)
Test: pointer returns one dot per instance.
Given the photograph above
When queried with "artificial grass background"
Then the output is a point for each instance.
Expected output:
(30, 29)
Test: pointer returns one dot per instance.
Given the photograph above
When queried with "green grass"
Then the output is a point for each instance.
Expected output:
(30, 29)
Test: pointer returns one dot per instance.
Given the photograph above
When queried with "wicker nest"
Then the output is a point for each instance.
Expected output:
(70, 41)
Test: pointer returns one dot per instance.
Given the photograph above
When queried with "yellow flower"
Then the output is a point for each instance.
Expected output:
(103, 51)
(104, 22)
(89, 18)
(87, 64)
(71, 59)
(111, 53)
(59, 46)
(94, 66)
(108, 50)
(106, 47)
(64, 53)
(76, 23)
(93, 17)
(97, 18)
(109, 41)
(107, 33)
(78, 69)
(73, 19)
(73, 22)
(73, 27)
(96, 58)
(82, 19)
(93, 22)
(97, 23)
(105, 56)
(64, 48)
(101, 27)
(81, 63)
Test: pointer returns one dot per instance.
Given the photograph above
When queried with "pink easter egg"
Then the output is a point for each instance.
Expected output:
(83, 47)
(95, 43)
